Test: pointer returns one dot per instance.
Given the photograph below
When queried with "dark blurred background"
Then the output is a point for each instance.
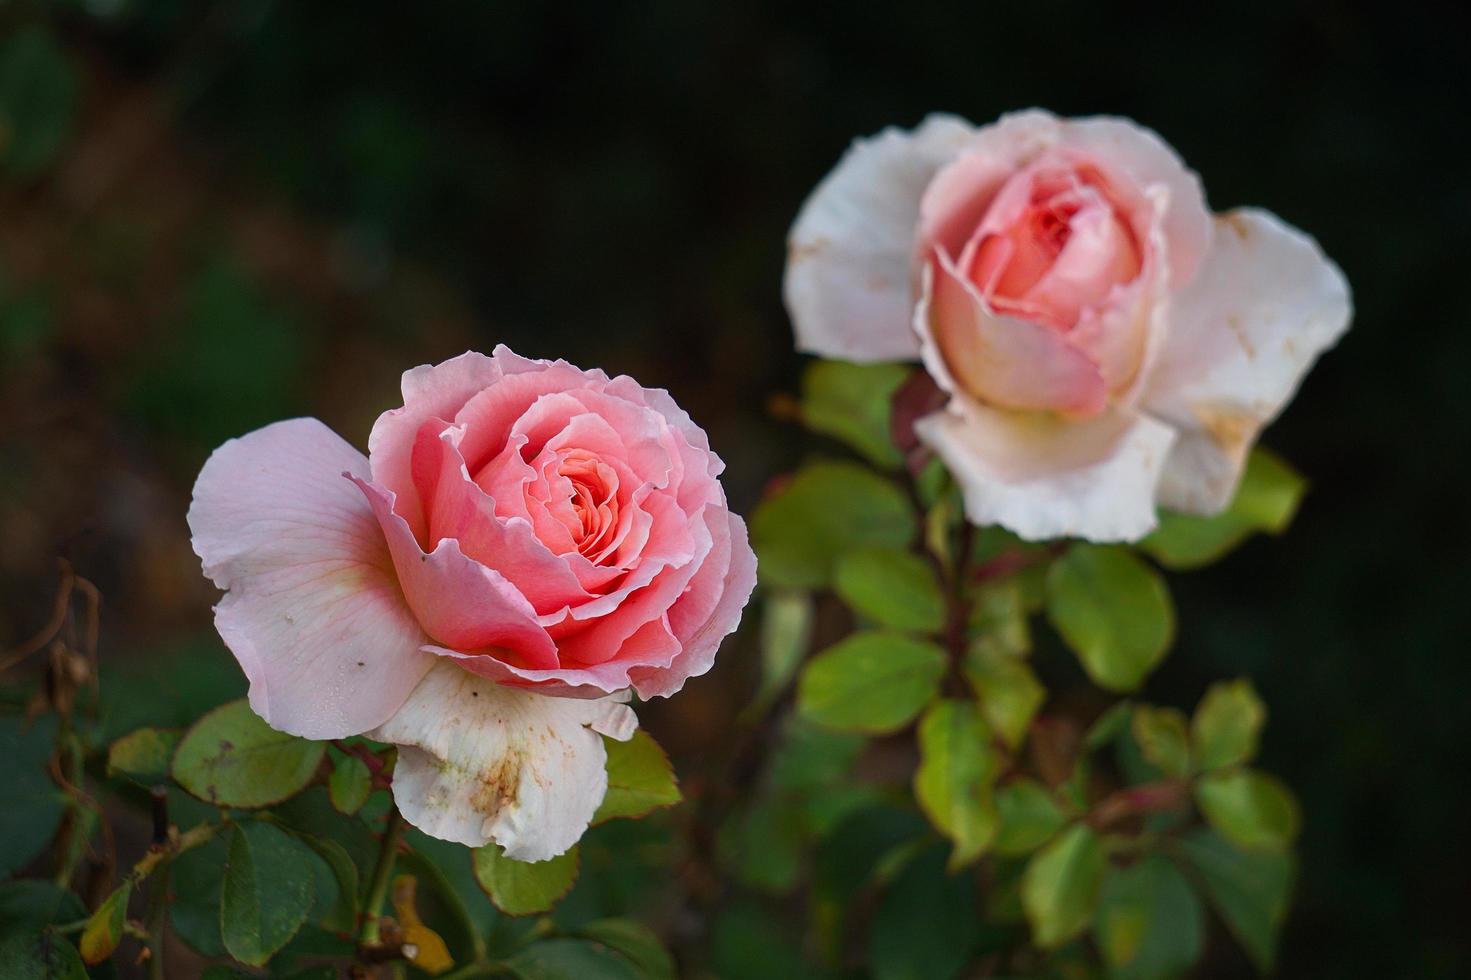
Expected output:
(214, 215)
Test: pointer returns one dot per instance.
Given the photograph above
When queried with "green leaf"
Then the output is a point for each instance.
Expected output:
(33, 803)
(892, 587)
(266, 894)
(749, 943)
(1150, 925)
(851, 403)
(1249, 808)
(524, 887)
(1163, 739)
(873, 682)
(571, 959)
(1029, 816)
(28, 949)
(196, 878)
(1249, 889)
(1266, 500)
(144, 755)
(104, 929)
(39, 956)
(786, 631)
(640, 778)
(1227, 723)
(762, 844)
(38, 101)
(957, 767)
(827, 509)
(1108, 726)
(637, 942)
(998, 615)
(233, 758)
(342, 912)
(349, 784)
(925, 925)
(811, 757)
(1113, 610)
(1061, 884)
(1008, 692)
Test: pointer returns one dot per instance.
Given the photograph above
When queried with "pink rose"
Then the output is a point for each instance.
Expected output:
(1107, 345)
(519, 529)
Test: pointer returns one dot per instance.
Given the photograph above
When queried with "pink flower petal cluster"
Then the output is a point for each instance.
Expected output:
(1107, 344)
(525, 544)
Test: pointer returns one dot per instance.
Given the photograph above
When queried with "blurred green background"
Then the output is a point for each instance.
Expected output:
(214, 215)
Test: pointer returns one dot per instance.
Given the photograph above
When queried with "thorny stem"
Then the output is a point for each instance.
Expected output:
(155, 921)
(382, 872)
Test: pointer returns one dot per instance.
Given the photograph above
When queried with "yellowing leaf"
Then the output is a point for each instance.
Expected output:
(422, 946)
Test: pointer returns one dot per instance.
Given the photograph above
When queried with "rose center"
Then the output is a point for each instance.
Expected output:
(593, 498)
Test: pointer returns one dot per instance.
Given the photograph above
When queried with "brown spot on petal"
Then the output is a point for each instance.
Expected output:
(802, 251)
(1230, 428)
(499, 785)
(1233, 324)
(1237, 224)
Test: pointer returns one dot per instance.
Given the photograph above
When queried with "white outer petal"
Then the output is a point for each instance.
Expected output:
(1048, 478)
(481, 762)
(850, 252)
(1242, 336)
(312, 610)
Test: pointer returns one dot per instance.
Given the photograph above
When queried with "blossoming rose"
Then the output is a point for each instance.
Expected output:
(519, 529)
(1106, 344)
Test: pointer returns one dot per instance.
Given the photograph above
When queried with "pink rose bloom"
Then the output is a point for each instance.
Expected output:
(519, 529)
(1107, 344)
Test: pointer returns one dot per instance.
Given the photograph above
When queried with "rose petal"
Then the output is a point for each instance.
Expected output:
(1242, 336)
(850, 251)
(430, 391)
(479, 762)
(700, 638)
(976, 351)
(459, 602)
(1044, 477)
(312, 611)
(1123, 145)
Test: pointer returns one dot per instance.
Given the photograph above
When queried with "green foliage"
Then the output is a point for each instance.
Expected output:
(38, 101)
(349, 783)
(144, 755)
(1163, 739)
(1008, 692)
(924, 928)
(891, 587)
(826, 510)
(33, 803)
(640, 778)
(1113, 610)
(636, 942)
(1029, 816)
(786, 631)
(957, 768)
(266, 892)
(1061, 885)
(1150, 925)
(850, 403)
(1266, 501)
(1249, 889)
(104, 929)
(572, 959)
(873, 682)
(233, 758)
(523, 887)
(1248, 808)
(1227, 723)
(29, 950)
